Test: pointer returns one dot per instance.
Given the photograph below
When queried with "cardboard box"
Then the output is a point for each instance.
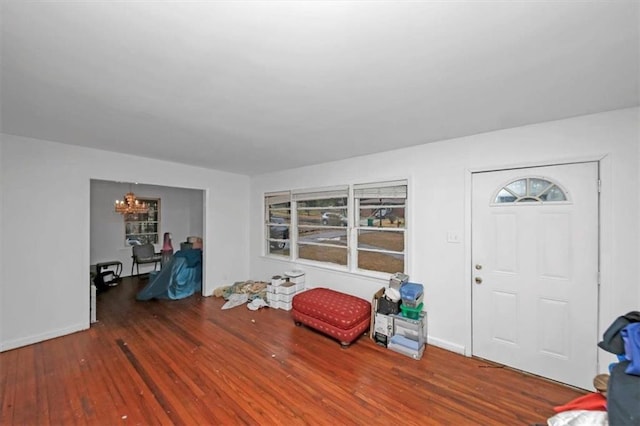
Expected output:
(374, 309)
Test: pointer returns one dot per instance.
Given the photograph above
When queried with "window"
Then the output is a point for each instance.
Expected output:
(530, 189)
(322, 225)
(380, 210)
(359, 228)
(143, 228)
(278, 223)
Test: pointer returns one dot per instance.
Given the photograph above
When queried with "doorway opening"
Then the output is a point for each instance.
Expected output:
(173, 212)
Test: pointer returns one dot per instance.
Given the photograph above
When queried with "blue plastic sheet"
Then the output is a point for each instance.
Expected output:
(179, 278)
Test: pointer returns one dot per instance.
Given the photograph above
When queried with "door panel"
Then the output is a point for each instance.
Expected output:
(535, 307)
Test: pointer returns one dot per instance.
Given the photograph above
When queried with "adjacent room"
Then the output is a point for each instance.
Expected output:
(488, 152)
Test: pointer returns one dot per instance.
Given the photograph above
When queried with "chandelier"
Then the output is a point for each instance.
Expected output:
(130, 205)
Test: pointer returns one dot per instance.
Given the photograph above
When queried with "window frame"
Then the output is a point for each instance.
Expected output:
(318, 195)
(274, 199)
(528, 199)
(352, 228)
(381, 190)
(126, 219)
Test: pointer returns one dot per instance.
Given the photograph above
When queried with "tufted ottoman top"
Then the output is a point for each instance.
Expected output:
(332, 307)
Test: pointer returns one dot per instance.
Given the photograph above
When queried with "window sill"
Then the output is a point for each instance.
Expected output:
(382, 276)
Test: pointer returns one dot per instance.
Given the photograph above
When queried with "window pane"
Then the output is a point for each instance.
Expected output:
(327, 217)
(381, 240)
(382, 213)
(280, 248)
(537, 186)
(382, 262)
(518, 187)
(553, 194)
(143, 228)
(336, 255)
(326, 202)
(505, 196)
(331, 236)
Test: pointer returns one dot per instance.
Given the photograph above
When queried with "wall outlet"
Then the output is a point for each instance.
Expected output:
(453, 237)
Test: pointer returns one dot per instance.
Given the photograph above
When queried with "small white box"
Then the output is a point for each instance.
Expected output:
(273, 297)
(295, 276)
(284, 305)
(277, 280)
(286, 288)
(286, 297)
(297, 280)
(384, 324)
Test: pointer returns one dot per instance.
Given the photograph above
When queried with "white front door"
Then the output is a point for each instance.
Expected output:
(535, 270)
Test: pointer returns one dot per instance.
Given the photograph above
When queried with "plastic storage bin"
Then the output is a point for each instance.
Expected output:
(413, 303)
(411, 291)
(409, 312)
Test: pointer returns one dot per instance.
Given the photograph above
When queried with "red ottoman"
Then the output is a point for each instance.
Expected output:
(339, 315)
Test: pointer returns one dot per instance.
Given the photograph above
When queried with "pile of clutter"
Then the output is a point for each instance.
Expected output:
(399, 323)
(284, 287)
(617, 400)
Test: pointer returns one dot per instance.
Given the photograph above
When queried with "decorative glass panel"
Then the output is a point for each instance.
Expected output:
(530, 190)
(554, 194)
(505, 196)
(518, 188)
(537, 186)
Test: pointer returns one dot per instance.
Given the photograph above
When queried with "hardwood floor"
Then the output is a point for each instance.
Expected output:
(189, 362)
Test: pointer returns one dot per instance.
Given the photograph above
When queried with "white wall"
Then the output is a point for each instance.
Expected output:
(46, 243)
(181, 213)
(440, 176)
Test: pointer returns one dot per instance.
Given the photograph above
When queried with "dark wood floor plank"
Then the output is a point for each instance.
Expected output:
(190, 362)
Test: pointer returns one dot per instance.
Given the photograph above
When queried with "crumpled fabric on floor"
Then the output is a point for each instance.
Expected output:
(591, 401)
(256, 304)
(235, 300)
(579, 418)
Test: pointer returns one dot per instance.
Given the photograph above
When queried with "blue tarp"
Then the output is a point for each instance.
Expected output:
(179, 278)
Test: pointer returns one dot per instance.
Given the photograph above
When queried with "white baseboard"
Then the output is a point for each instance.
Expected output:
(453, 347)
(29, 340)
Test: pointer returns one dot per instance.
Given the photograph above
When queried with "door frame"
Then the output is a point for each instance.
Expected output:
(605, 224)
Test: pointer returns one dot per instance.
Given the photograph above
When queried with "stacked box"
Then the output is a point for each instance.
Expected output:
(396, 345)
(281, 296)
(412, 294)
(409, 336)
(383, 329)
(409, 312)
(414, 329)
(295, 276)
(277, 280)
(387, 307)
(397, 280)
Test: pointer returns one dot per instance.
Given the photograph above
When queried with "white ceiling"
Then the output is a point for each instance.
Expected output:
(256, 86)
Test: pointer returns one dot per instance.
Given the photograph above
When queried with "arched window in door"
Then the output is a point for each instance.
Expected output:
(530, 189)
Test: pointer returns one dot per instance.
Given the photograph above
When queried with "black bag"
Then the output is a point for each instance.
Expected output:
(387, 307)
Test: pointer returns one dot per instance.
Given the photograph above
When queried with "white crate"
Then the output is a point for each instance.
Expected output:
(273, 297)
(288, 298)
(284, 305)
(297, 280)
(286, 288)
(277, 280)
(295, 276)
